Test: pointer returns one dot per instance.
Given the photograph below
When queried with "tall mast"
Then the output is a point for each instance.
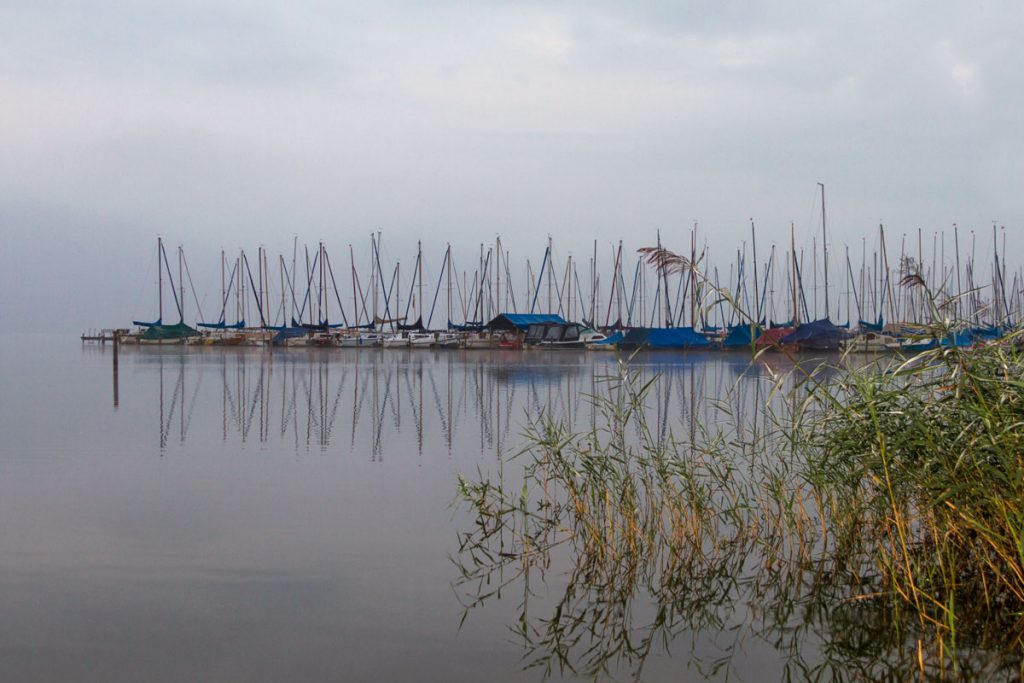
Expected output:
(862, 300)
(374, 267)
(796, 300)
(550, 265)
(295, 255)
(160, 280)
(240, 301)
(419, 260)
(239, 294)
(894, 313)
(814, 268)
(284, 314)
(266, 270)
(660, 271)
(921, 271)
(620, 282)
(497, 275)
(567, 286)
(757, 292)
(181, 286)
(529, 284)
(259, 280)
(849, 281)
(1002, 278)
(323, 279)
(824, 248)
(355, 300)
(223, 288)
(693, 277)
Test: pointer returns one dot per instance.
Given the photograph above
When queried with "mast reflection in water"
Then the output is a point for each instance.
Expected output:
(244, 515)
(396, 402)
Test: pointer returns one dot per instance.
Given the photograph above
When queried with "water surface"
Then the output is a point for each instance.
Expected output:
(245, 515)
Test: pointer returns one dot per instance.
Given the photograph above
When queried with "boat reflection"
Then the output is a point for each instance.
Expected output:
(430, 403)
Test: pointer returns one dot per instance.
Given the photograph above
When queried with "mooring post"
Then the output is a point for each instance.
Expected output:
(117, 339)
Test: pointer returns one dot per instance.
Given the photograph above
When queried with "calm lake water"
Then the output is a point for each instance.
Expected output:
(241, 515)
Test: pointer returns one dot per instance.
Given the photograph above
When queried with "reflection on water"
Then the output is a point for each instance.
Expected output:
(625, 550)
(185, 532)
(425, 401)
(724, 612)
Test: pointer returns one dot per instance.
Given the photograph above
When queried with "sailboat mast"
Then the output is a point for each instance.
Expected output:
(792, 249)
(295, 255)
(550, 266)
(693, 276)
(181, 286)
(757, 292)
(223, 288)
(619, 294)
(323, 282)
(824, 247)
(239, 294)
(497, 275)
(266, 274)
(259, 294)
(920, 271)
(1002, 279)
(657, 287)
(355, 296)
(374, 267)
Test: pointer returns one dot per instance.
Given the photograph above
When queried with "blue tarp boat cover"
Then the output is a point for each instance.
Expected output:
(986, 333)
(634, 338)
(522, 321)
(223, 326)
(284, 333)
(872, 327)
(820, 335)
(664, 338)
(676, 338)
(741, 335)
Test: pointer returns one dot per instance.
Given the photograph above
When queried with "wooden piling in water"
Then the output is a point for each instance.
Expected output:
(116, 344)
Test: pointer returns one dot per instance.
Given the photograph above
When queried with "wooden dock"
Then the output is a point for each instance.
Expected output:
(102, 336)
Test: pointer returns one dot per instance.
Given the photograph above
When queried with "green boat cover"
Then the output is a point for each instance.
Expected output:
(165, 332)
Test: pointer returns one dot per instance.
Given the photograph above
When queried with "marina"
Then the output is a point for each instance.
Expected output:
(674, 301)
(511, 342)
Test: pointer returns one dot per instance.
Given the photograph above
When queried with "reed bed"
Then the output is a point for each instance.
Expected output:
(865, 520)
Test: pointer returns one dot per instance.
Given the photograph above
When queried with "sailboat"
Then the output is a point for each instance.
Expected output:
(157, 332)
(822, 334)
(668, 337)
(222, 331)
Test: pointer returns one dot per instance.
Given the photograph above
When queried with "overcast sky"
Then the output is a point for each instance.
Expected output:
(239, 124)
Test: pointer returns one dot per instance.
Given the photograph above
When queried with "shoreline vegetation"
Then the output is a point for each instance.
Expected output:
(865, 521)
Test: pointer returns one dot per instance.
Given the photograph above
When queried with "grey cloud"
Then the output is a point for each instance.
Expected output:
(240, 124)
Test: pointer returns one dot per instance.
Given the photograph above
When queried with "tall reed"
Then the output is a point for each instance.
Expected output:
(885, 500)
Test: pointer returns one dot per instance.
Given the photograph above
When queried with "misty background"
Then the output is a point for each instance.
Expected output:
(223, 124)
